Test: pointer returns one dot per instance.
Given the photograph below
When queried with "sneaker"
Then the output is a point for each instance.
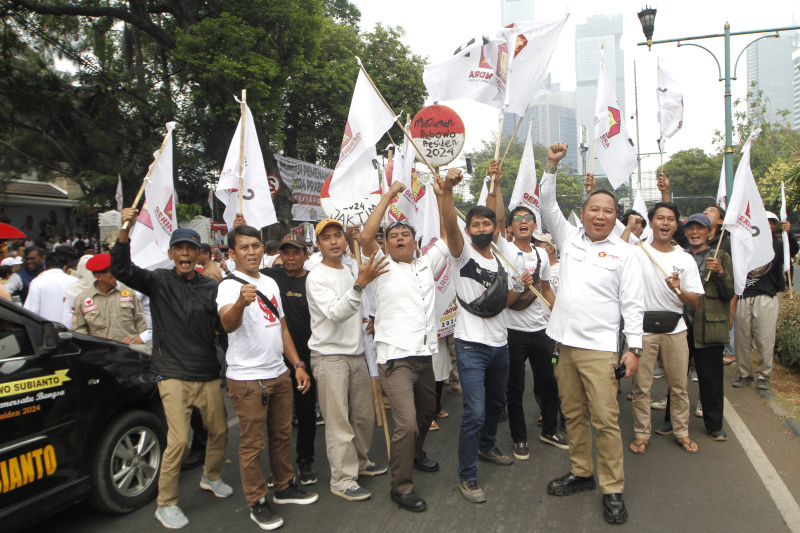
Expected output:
(495, 456)
(503, 415)
(693, 376)
(664, 429)
(472, 491)
(355, 493)
(307, 474)
(699, 411)
(539, 422)
(521, 451)
(171, 517)
(320, 420)
(434, 426)
(442, 414)
(294, 494)
(661, 405)
(218, 487)
(271, 484)
(719, 435)
(659, 373)
(762, 384)
(262, 515)
(556, 439)
(742, 382)
(373, 469)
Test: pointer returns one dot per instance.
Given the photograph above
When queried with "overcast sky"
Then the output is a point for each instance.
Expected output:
(435, 29)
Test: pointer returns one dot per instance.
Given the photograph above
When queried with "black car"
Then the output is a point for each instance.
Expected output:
(80, 418)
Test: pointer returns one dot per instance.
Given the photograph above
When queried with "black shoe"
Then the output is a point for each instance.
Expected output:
(494, 456)
(319, 419)
(503, 415)
(409, 502)
(521, 451)
(719, 435)
(742, 382)
(614, 508)
(265, 517)
(426, 465)
(193, 460)
(664, 429)
(307, 474)
(570, 484)
(294, 494)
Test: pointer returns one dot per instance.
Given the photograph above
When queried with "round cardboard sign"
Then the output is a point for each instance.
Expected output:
(274, 184)
(352, 215)
(439, 133)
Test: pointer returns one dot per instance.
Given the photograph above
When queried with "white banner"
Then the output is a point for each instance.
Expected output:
(306, 181)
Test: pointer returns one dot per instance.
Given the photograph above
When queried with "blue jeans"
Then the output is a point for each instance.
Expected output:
(483, 372)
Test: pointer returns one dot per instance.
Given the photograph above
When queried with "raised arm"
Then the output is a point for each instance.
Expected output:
(121, 265)
(368, 243)
(494, 200)
(551, 213)
(444, 189)
(663, 186)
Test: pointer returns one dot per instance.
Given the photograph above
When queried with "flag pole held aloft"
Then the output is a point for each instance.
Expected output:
(170, 127)
(513, 136)
(241, 150)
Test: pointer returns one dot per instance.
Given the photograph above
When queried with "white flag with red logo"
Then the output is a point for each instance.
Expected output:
(613, 145)
(526, 188)
(787, 261)
(402, 168)
(670, 106)
(355, 176)
(118, 194)
(722, 189)
(257, 206)
(746, 220)
(157, 218)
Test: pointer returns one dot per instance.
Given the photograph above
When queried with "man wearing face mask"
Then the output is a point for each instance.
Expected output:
(481, 335)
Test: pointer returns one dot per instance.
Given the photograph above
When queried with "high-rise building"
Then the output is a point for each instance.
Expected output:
(598, 31)
(770, 69)
(512, 11)
(796, 86)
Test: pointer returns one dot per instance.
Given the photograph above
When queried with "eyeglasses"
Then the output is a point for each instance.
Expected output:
(520, 218)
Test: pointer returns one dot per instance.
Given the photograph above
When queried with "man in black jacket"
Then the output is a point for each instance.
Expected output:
(184, 313)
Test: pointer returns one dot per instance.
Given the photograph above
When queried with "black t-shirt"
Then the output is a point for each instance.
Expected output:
(295, 307)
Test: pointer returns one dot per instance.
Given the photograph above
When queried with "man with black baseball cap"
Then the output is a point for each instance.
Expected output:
(185, 321)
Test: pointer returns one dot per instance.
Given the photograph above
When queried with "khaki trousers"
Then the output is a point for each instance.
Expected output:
(178, 398)
(345, 397)
(254, 418)
(756, 320)
(587, 387)
(674, 350)
(409, 383)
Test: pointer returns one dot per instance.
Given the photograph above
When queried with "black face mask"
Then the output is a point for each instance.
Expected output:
(482, 240)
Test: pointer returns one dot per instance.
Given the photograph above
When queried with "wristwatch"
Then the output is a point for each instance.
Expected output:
(636, 351)
(358, 288)
(300, 365)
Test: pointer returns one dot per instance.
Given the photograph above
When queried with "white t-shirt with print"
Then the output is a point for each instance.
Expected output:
(657, 295)
(475, 274)
(534, 317)
(255, 349)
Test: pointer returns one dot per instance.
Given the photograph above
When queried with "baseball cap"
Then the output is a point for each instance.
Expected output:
(546, 237)
(99, 263)
(324, 223)
(185, 235)
(699, 218)
(291, 239)
(11, 261)
(773, 216)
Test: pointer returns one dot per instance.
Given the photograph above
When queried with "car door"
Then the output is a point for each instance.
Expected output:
(39, 449)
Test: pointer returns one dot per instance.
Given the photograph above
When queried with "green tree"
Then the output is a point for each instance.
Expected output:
(694, 179)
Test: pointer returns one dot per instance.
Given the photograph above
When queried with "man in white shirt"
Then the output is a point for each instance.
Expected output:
(481, 336)
(600, 280)
(47, 293)
(338, 363)
(405, 341)
(259, 384)
(664, 328)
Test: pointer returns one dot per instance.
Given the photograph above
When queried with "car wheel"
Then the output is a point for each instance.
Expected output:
(126, 463)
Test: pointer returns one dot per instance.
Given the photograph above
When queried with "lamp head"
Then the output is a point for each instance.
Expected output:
(647, 17)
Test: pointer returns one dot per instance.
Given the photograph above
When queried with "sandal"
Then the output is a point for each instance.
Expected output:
(442, 414)
(640, 447)
(728, 360)
(629, 397)
(687, 445)
(434, 426)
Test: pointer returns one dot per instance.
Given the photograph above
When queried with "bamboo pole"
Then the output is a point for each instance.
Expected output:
(150, 171)
(434, 174)
(241, 149)
(497, 146)
(653, 259)
(513, 136)
(661, 128)
(719, 243)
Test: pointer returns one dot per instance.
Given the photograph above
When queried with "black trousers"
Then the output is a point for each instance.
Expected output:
(537, 348)
(305, 411)
(710, 374)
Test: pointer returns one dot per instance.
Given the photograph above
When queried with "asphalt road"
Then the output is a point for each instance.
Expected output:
(718, 489)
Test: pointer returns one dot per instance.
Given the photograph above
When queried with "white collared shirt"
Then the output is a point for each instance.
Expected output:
(47, 296)
(599, 283)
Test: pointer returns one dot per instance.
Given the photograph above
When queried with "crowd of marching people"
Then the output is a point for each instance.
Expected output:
(302, 334)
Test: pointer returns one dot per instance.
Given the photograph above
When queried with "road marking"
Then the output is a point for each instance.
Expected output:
(780, 493)
(233, 421)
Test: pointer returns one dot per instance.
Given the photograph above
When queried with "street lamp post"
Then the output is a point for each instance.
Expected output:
(647, 18)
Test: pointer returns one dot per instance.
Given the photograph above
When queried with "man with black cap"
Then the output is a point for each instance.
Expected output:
(108, 309)
(185, 321)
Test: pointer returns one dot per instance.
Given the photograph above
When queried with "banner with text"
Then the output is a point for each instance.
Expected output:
(306, 181)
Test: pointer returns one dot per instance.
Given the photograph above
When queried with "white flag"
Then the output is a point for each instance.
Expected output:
(257, 206)
(574, 220)
(118, 194)
(355, 176)
(402, 168)
(529, 47)
(467, 74)
(614, 146)
(670, 106)
(641, 207)
(526, 189)
(787, 261)
(722, 190)
(746, 220)
(157, 218)
(484, 192)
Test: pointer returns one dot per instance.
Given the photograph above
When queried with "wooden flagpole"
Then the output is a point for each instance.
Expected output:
(513, 136)
(434, 174)
(150, 172)
(719, 243)
(497, 146)
(653, 259)
(241, 149)
(661, 129)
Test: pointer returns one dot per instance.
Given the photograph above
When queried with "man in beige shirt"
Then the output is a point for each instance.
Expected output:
(210, 268)
(108, 309)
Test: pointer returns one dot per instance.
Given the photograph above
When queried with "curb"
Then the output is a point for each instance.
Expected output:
(780, 410)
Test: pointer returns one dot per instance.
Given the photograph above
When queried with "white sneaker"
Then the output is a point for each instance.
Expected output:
(218, 487)
(171, 517)
(699, 411)
(661, 405)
